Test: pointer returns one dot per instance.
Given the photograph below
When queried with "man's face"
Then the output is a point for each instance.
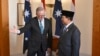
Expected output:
(65, 20)
(40, 14)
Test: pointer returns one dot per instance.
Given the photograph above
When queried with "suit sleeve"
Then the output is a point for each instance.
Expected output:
(75, 43)
(25, 28)
(49, 45)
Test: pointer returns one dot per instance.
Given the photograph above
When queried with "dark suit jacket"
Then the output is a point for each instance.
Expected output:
(69, 43)
(37, 39)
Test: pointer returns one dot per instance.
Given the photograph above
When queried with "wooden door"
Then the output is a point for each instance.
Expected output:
(96, 28)
(4, 28)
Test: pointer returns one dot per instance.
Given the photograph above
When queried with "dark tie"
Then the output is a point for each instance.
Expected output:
(41, 26)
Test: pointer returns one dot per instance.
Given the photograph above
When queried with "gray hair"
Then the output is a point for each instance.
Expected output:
(39, 9)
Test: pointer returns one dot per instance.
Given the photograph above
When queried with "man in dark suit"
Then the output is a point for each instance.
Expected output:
(40, 28)
(69, 42)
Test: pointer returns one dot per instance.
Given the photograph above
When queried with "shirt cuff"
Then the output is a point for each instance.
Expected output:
(18, 31)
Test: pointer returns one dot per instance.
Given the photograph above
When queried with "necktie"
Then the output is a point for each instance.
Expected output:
(64, 29)
(41, 27)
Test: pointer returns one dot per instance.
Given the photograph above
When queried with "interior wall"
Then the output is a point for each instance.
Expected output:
(12, 21)
(83, 19)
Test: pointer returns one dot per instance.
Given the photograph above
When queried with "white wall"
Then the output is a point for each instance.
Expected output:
(84, 12)
(83, 19)
(12, 22)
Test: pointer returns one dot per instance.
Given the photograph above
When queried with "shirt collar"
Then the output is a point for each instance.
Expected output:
(41, 20)
(69, 24)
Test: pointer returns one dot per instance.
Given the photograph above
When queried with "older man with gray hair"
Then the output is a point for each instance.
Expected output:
(41, 34)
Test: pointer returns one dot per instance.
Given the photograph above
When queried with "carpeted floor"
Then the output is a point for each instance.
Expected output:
(25, 54)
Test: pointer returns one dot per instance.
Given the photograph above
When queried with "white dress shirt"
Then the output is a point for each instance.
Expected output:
(69, 24)
(42, 21)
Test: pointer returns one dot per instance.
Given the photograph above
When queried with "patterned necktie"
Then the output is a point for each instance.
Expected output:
(41, 27)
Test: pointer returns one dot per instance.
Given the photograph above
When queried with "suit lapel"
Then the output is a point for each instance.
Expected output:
(45, 26)
(70, 26)
(37, 24)
(68, 29)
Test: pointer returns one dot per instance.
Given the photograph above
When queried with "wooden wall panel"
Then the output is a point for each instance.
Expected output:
(0, 27)
(4, 28)
(55, 44)
(96, 28)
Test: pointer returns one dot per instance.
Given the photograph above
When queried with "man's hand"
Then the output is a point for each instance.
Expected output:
(14, 30)
(57, 52)
(49, 50)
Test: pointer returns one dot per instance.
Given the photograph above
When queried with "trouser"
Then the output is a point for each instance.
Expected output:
(40, 52)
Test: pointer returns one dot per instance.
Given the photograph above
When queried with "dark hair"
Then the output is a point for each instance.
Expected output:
(70, 18)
